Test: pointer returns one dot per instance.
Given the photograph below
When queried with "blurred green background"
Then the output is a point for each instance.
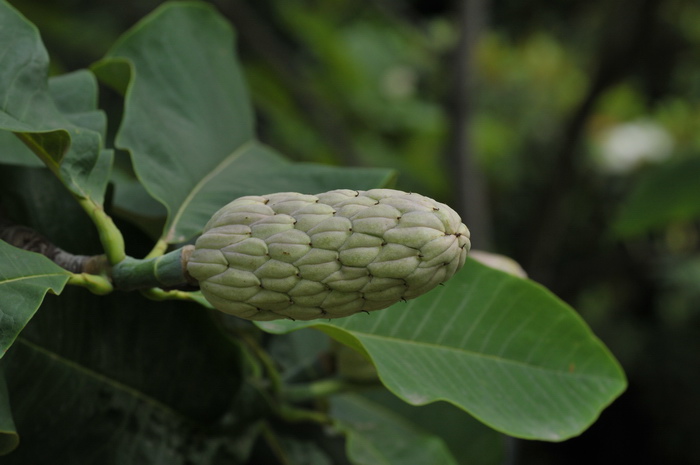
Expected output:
(566, 133)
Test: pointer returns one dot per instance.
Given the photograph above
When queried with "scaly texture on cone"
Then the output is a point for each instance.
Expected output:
(330, 255)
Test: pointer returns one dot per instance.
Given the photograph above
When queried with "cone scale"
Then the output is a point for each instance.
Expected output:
(330, 255)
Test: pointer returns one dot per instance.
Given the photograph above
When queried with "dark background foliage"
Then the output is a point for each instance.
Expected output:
(540, 121)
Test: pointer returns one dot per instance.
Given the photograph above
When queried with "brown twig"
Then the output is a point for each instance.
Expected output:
(622, 49)
(470, 193)
(28, 239)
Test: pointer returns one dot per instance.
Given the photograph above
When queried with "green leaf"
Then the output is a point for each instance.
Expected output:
(75, 95)
(25, 278)
(502, 348)
(133, 198)
(130, 201)
(377, 435)
(115, 381)
(293, 449)
(68, 144)
(8, 434)
(47, 209)
(188, 121)
(664, 195)
(297, 352)
(79, 415)
(14, 152)
(469, 441)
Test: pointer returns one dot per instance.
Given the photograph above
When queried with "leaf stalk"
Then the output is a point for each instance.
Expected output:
(165, 271)
(96, 284)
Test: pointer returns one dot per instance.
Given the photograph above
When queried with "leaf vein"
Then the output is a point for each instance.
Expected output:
(202, 182)
(479, 355)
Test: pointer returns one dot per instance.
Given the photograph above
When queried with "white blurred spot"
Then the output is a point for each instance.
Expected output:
(627, 146)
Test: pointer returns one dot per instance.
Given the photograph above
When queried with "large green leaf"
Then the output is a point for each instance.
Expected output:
(500, 347)
(25, 278)
(8, 433)
(70, 145)
(663, 195)
(378, 435)
(188, 122)
(75, 96)
(119, 380)
(469, 441)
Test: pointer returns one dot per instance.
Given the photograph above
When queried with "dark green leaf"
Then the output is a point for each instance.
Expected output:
(75, 95)
(129, 194)
(120, 380)
(89, 371)
(188, 122)
(70, 145)
(130, 201)
(469, 441)
(25, 278)
(295, 449)
(47, 209)
(8, 434)
(377, 435)
(500, 347)
(14, 152)
(664, 195)
(296, 353)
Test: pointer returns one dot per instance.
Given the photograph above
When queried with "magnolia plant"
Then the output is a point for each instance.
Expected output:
(160, 360)
(291, 255)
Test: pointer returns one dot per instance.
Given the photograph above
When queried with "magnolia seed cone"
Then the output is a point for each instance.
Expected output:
(290, 255)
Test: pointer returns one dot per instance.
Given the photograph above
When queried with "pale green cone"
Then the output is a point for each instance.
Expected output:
(330, 255)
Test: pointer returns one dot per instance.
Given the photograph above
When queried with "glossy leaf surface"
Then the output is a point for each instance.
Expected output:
(500, 347)
(66, 132)
(377, 435)
(124, 374)
(25, 278)
(117, 379)
(188, 121)
(468, 440)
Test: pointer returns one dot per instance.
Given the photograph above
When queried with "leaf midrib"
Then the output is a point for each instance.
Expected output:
(496, 358)
(37, 276)
(117, 385)
(230, 158)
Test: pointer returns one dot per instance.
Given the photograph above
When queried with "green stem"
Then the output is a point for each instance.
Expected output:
(94, 283)
(267, 362)
(158, 249)
(166, 271)
(159, 294)
(298, 415)
(110, 236)
(322, 388)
